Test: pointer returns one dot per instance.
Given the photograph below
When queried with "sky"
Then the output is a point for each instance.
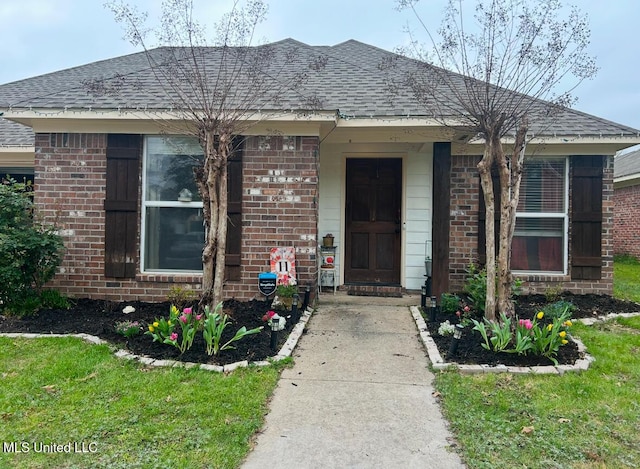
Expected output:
(42, 36)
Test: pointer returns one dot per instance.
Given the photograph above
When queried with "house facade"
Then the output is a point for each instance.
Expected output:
(626, 184)
(390, 184)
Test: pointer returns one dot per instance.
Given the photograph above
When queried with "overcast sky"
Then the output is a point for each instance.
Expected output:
(41, 36)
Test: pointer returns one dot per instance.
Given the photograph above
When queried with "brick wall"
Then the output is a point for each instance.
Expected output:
(626, 230)
(463, 235)
(465, 190)
(279, 209)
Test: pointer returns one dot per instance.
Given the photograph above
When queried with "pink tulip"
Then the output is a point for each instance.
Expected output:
(198, 317)
(187, 310)
(183, 319)
(466, 309)
(174, 336)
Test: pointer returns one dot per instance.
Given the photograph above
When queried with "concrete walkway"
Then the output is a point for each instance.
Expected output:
(358, 396)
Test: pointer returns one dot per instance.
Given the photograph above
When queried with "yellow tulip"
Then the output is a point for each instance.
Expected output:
(568, 323)
(540, 315)
(156, 324)
(549, 327)
(564, 341)
(562, 334)
(151, 328)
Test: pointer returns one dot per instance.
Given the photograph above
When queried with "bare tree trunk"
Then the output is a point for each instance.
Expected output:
(221, 234)
(507, 214)
(206, 180)
(510, 178)
(484, 168)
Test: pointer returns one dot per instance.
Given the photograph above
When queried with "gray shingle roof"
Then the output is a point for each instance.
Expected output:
(13, 134)
(350, 81)
(626, 164)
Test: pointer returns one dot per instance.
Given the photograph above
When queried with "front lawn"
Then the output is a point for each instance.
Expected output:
(120, 413)
(587, 420)
(626, 278)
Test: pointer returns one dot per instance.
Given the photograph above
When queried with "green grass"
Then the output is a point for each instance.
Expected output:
(626, 278)
(64, 390)
(587, 420)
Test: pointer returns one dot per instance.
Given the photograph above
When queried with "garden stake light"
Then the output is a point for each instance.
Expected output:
(307, 297)
(432, 309)
(457, 335)
(295, 314)
(423, 296)
(275, 327)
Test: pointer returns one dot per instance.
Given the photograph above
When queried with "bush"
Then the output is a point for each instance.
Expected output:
(558, 309)
(476, 287)
(181, 297)
(449, 303)
(31, 251)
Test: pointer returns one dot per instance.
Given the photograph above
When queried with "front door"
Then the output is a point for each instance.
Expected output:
(373, 220)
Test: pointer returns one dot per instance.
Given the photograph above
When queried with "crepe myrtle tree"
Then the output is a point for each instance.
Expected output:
(217, 89)
(494, 70)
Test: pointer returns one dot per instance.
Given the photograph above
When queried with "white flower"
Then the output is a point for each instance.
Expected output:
(446, 328)
(128, 309)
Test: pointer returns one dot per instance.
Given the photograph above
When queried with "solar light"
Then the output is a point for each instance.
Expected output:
(295, 314)
(432, 309)
(457, 335)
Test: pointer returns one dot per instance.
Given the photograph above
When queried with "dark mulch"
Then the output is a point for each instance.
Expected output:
(471, 352)
(98, 317)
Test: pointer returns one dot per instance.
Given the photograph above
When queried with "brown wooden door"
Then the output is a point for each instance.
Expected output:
(373, 220)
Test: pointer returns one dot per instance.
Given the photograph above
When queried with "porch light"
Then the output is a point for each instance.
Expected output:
(457, 335)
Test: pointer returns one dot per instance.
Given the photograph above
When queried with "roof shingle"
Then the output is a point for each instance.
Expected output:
(350, 82)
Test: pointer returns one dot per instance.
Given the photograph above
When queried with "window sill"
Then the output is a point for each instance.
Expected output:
(170, 277)
(542, 276)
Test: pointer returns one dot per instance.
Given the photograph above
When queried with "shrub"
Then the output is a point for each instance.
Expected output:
(449, 303)
(476, 287)
(559, 308)
(54, 300)
(31, 250)
(181, 297)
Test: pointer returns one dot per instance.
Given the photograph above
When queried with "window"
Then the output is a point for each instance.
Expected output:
(540, 238)
(172, 221)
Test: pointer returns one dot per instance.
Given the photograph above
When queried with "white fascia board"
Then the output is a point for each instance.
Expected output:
(148, 122)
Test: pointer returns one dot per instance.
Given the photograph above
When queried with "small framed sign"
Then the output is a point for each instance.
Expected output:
(267, 283)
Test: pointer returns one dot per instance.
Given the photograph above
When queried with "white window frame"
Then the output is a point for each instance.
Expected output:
(157, 203)
(564, 216)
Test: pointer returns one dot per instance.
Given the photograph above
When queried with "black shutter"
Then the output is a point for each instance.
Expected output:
(586, 217)
(234, 213)
(121, 205)
(482, 216)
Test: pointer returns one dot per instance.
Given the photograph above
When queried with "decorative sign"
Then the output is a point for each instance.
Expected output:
(283, 264)
(267, 283)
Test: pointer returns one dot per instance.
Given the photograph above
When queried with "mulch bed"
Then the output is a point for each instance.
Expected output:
(98, 318)
(471, 352)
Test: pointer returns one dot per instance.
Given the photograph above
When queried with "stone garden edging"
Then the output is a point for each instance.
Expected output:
(285, 351)
(438, 363)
